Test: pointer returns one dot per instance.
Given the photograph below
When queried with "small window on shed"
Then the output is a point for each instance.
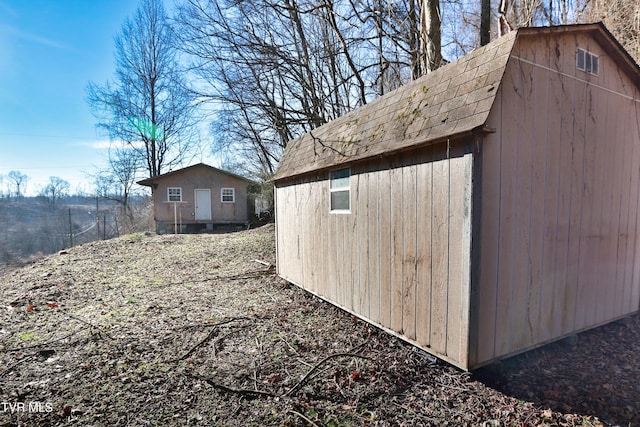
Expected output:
(340, 188)
(174, 194)
(587, 62)
(228, 195)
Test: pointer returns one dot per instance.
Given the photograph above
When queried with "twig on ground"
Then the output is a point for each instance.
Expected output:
(254, 369)
(263, 263)
(303, 417)
(317, 365)
(209, 336)
(10, 368)
(287, 343)
(239, 276)
(11, 350)
(242, 391)
(94, 326)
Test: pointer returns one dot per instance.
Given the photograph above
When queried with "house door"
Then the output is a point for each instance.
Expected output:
(203, 204)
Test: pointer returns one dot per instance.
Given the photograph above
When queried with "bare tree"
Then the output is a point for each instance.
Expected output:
(55, 189)
(116, 182)
(525, 13)
(274, 70)
(19, 182)
(622, 18)
(147, 106)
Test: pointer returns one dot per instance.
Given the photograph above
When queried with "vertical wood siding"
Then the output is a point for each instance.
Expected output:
(556, 194)
(559, 232)
(401, 258)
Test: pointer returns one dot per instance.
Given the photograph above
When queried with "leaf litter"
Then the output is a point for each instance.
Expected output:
(198, 330)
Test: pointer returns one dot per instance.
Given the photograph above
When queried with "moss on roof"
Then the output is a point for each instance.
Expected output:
(452, 100)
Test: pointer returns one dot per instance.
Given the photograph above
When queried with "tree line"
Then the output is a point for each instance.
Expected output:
(14, 186)
(258, 73)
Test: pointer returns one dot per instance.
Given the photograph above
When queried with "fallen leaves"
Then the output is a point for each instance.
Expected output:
(183, 328)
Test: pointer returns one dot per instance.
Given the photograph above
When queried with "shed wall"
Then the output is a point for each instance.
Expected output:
(401, 258)
(559, 244)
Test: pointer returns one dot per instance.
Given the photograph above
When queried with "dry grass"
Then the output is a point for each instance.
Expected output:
(190, 330)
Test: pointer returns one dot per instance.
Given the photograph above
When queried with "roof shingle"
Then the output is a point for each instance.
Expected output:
(452, 100)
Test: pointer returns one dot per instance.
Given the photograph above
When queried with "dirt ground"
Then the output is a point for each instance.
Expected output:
(192, 330)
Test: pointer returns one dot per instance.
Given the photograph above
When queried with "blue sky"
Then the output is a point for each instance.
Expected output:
(49, 51)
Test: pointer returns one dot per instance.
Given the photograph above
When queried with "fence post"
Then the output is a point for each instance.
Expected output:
(98, 218)
(70, 230)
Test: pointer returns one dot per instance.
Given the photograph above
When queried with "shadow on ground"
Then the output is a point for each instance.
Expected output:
(595, 375)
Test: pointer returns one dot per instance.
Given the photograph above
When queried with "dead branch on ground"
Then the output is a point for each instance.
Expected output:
(241, 391)
(210, 335)
(318, 365)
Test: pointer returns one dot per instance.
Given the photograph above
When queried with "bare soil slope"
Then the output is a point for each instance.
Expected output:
(191, 330)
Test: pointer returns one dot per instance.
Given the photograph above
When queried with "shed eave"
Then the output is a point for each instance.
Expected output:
(482, 129)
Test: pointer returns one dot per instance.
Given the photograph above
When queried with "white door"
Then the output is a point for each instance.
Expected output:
(203, 204)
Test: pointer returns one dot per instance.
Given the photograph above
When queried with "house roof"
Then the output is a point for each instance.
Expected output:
(448, 103)
(151, 181)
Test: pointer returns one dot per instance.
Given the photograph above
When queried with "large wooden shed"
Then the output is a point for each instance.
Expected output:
(487, 208)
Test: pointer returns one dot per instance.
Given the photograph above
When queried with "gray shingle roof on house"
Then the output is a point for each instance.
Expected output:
(150, 181)
(451, 101)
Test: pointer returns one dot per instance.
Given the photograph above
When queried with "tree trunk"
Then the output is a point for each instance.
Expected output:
(503, 26)
(430, 44)
(414, 40)
(485, 22)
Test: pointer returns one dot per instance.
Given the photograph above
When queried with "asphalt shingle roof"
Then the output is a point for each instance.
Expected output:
(453, 100)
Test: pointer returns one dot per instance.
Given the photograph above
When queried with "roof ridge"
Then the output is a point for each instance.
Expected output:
(151, 180)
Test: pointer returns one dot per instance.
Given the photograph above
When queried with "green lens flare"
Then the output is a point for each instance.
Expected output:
(146, 127)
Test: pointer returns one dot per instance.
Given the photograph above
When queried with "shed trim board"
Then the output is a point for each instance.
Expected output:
(494, 203)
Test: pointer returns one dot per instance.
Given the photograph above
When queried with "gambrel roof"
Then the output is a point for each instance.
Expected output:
(454, 99)
(451, 102)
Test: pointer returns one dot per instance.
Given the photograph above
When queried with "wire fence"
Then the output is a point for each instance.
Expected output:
(29, 228)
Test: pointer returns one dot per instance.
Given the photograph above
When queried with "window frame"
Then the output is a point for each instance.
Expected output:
(339, 189)
(169, 194)
(222, 195)
(587, 62)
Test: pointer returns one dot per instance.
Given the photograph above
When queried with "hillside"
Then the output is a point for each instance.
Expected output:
(32, 227)
(192, 330)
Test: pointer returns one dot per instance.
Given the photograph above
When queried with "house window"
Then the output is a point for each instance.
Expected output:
(587, 62)
(228, 195)
(340, 189)
(174, 194)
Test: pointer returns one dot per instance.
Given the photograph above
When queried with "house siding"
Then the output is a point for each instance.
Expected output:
(201, 177)
(401, 258)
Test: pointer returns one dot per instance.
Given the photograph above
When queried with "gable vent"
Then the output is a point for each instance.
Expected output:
(587, 62)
